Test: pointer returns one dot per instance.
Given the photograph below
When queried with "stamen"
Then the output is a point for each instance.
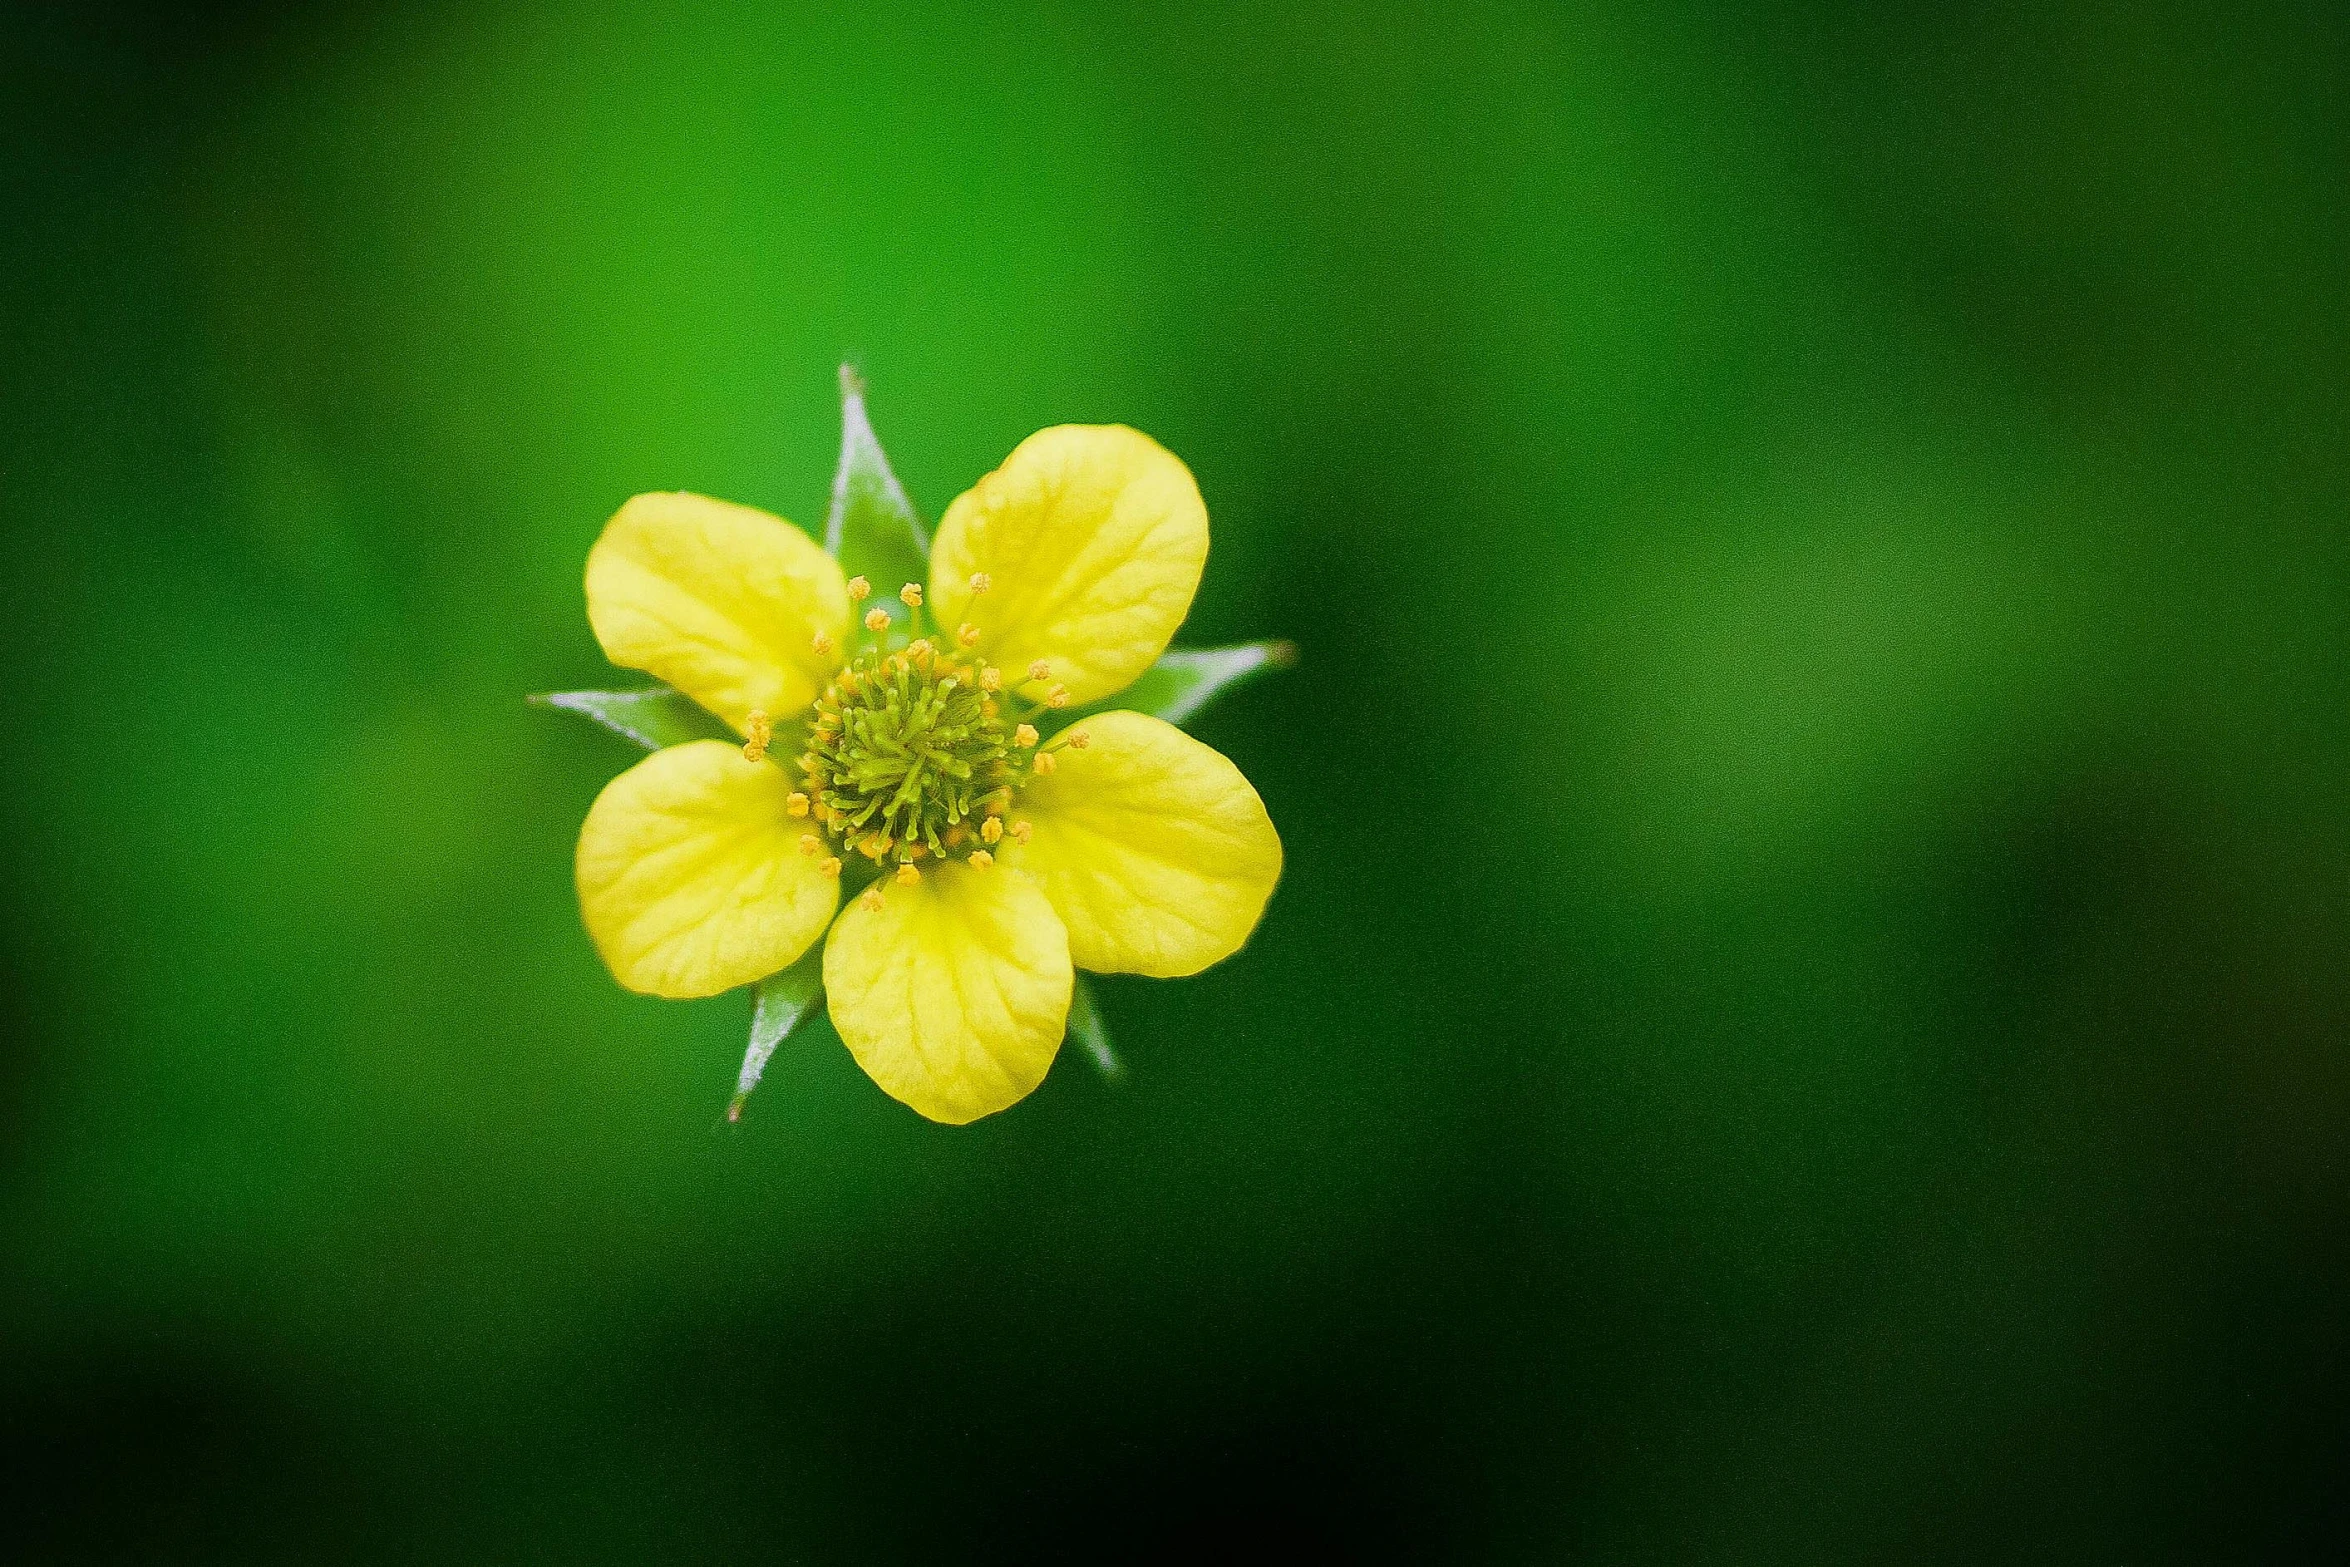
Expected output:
(757, 731)
(981, 582)
(858, 588)
(908, 876)
(1080, 740)
(820, 644)
(1058, 696)
(980, 859)
(991, 679)
(797, 804)
(967, 634)
(992, 830)
(876, 618)
(1021, 831)
(1042, 669)
(918, 649)
(829, 865)
(811, 845)
(1045, 763)
(1024, 736)
(912, 594)
(872, 899)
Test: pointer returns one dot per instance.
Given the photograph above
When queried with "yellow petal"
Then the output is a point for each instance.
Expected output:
(1153, 848)
(691, 876)
(722, 601)
(953, 994)
(1093, 537)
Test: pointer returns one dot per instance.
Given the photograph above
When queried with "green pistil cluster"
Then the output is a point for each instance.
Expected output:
(907, 755)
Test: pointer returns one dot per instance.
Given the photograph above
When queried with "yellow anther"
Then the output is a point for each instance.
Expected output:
(1080, 740)
(908, 876)
(756, 733)
(980, 859)
(811, 845)
(830, 865)
(858, 588)
(917, 849)
(967, 634)
(991, 679)
(1042, 669)
(981, 582)
(992, 830)
(872, 900)
(953, 835)
(988, 706)
(912, 594)
(821, 643)
(876, 618)
(873, 846)
(1020, 831)
(998, 802)
(1045, 764)
(918, 649)
(797, 804)
(1025, 735)
(1058, 696)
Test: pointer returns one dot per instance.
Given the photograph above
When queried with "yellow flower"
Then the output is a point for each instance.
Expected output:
(1140, 851)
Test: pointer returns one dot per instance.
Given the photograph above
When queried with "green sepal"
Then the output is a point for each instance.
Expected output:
(1185, 680)
(654, 718)
(871, 528)
(780, 1004)
(1087, 1028)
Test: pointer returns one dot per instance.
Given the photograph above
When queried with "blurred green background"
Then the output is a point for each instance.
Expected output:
(1806, 1019)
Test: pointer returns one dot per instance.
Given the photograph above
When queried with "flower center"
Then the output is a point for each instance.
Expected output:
(916, 753)
(906, 754)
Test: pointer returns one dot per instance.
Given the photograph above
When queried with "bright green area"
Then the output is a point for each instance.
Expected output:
(1806, 1016)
